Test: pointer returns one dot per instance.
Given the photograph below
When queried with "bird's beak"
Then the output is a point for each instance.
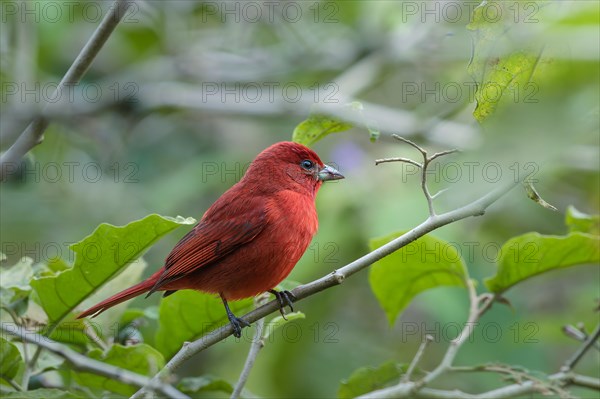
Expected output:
(329, 173)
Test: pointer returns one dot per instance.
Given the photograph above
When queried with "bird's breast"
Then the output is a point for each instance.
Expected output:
(291, 224)
(260, 265)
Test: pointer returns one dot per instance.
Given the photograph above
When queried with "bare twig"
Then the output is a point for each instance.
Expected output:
(525, 383)
(13, 383)
(578, 334)
(508, 391)
(257, 344)
(475, 208)
(28, 367)
(518, 376)
(406, 377)
(423, 166)
(442, 153)
(475, 312)
(83, 363)
(587, 344)
(478, 306)
(34, 133)
(443, 190)
(398, 159)
(412, 144)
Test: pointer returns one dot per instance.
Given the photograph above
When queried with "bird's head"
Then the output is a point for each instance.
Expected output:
(292, 166)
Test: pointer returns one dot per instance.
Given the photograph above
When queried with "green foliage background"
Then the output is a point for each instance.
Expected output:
(166, 151)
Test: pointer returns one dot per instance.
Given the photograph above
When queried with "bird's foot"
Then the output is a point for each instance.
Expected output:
(285, 298)
(237, 324)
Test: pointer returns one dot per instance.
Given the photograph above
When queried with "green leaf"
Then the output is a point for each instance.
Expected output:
(531, 254)
(581, 222)
(70, 332)
(205, 383)
(54, 266)
(368, 379)
(14, 282)
(141, 359)
(10, 359)
(99, 257)
(502, 69)
(279, 321)
(105, 322)
(423, 264)
(43, 393)
(317, 127)
(188, 314)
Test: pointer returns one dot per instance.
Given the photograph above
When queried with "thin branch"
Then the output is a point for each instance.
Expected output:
(31, 364)
(412, 144)
(532, 384)
(518, 389)
(475, 313)
(28, 367)
(12, 383)
(84, 363)
(34, 133)
(588, 343)
(443, 190)
(584, 381)
(478, 306)
(578, 334)
(518, 376)
(575, 333)
(406, 377)
(257, 344)
(27, 372)
(426, 162)
(475, 208)
(424, 187)
(442, 153)
(398, 159)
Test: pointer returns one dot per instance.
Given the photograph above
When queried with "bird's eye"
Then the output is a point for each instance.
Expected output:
(306, 164)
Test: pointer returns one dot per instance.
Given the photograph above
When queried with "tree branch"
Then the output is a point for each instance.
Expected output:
(475, 208)
(34, 133)
(423, 166)
(478, 306)
(83, 363)
(257, 344)
(417, 358)
(12, 383)
(558, 380)
(587, 344)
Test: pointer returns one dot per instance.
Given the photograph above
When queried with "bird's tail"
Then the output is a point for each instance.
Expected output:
(122, 296)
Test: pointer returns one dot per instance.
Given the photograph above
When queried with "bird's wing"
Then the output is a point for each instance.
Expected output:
(210, 241)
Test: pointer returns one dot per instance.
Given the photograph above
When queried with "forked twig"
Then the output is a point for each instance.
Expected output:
(423, 166)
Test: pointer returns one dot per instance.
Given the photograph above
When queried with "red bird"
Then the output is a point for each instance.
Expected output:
(250, 239)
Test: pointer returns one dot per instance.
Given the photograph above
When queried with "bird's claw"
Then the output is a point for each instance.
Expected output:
(285, 298)
(237, 324)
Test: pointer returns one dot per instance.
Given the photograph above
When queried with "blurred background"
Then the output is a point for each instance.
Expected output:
(185, 94)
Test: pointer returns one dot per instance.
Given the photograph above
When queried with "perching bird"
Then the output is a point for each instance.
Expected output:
(250, 239)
